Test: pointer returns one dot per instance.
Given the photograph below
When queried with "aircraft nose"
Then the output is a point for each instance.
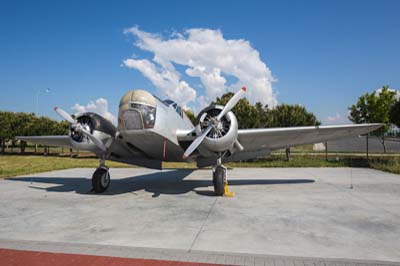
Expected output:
(138, 96)
(137, 110)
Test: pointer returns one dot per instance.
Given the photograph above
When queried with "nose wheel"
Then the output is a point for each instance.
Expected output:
(220, 181)
(101, 179)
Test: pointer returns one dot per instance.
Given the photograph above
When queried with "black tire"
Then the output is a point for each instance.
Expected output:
(100, 180)
(219, 180)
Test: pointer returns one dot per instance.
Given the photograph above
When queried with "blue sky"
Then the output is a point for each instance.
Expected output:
(323, 54)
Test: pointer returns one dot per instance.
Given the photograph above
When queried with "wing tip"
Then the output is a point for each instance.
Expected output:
(244, 88)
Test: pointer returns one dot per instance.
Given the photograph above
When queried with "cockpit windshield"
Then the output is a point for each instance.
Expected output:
(174, 105)
(137, 110)
(147, 112)
(168, 102)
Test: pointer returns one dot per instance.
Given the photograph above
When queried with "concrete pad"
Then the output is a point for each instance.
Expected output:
(303, 212)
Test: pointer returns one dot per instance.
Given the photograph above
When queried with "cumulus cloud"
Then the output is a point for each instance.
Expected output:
(167, 80)
(336, 119)
(207, 55)
(100, 106)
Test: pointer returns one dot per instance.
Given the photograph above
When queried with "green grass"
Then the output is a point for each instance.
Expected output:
(15, 165)
(295, 161)
(391, 165)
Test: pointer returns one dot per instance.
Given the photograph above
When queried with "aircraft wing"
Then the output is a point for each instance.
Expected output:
(261, 141)
(119, 152)
(48, 140)
(277, 138)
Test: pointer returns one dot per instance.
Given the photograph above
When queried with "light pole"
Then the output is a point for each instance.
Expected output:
(47, 90)
(37, 99)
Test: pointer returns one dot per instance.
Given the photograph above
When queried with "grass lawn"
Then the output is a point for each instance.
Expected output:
(15, 165)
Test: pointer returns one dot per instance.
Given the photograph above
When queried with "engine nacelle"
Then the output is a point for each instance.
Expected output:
(224, 133)
(97, 125)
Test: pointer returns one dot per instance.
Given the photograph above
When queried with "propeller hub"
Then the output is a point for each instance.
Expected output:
(215, 122)
(218, 127)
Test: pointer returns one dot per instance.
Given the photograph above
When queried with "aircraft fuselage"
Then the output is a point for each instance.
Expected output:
(150, 126)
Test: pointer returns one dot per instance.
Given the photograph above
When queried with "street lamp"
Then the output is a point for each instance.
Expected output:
(45, 91)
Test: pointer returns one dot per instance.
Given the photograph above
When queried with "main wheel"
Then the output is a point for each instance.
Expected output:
(100, 179)
(219, 180)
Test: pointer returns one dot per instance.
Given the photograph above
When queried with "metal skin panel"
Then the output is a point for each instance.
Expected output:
(160, 142)
(277, 138)
(172, 133)
(48, 140)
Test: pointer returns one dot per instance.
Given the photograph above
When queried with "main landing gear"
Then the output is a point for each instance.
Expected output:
(101, 178)
(220, 180)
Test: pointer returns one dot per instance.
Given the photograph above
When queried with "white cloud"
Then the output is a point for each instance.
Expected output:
(336, 119)
(166, 79)
(100, 106)
(206, 54)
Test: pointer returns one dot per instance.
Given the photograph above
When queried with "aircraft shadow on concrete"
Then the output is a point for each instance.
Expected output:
(168, 182)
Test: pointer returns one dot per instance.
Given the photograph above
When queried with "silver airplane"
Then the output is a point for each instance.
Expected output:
(151, 131)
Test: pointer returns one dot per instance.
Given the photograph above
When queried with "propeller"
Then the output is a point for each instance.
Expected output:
(231, 103)
(65, 115)
(79, 127)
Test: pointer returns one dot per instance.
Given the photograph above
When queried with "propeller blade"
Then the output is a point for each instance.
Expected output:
(64, 115)
(232, 102)
(196, 142)
(95, 140)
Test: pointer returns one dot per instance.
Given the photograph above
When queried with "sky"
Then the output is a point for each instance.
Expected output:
(320, 54)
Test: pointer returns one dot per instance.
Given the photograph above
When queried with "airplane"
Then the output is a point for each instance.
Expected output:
(151, 130)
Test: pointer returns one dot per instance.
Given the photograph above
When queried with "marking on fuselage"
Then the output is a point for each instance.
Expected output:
(165, 148)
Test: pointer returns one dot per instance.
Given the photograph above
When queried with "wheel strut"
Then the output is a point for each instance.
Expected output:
(220, 180)
(101, 177)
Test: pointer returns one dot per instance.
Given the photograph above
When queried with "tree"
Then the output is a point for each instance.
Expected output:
(374, 107)
(22, 126)
(248, 115)
(5, 128)
(27, 124)
(190, 115)
(394, 117)
(289, 115)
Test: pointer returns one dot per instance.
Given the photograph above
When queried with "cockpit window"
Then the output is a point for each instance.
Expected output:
(177, 108)
(147, 112)
(168, 102)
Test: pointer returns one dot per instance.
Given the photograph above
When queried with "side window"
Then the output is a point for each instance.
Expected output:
(179, 111)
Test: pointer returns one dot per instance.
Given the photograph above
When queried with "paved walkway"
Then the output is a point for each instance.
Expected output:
(12, 257)
(54, 253)
(300, 212)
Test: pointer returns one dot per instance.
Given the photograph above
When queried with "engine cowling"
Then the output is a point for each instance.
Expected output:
(224, 132)
(96, 125)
